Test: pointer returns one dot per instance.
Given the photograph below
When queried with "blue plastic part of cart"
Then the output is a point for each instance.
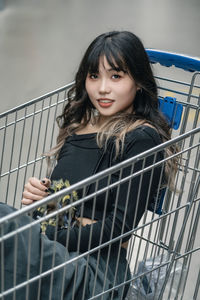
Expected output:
(169, 59)
(173, 113)
(168, 105)
(171, 110)
(157, 202)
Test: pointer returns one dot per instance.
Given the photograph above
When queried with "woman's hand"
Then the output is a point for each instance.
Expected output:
(35, 190)
(85, 221)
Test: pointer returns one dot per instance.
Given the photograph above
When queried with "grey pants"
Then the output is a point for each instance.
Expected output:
(33, 253)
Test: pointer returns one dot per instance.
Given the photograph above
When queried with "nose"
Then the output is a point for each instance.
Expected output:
(104, 86)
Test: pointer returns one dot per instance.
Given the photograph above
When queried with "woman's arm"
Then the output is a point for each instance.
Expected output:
(128, 208)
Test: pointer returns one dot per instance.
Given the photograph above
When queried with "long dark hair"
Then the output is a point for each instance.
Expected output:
(124, 51)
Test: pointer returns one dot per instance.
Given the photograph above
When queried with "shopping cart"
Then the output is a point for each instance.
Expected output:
(163, 251)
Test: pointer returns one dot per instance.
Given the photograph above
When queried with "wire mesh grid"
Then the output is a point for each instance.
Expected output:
(26, 133)
(162, 251)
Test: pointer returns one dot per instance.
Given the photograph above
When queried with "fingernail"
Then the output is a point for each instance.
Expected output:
(50, 191)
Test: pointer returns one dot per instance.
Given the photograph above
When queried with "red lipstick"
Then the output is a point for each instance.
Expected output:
(105, 103)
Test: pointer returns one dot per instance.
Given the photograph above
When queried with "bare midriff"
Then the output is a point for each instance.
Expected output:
(87, 221)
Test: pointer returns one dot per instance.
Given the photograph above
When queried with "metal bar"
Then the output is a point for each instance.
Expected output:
(36, 100)
(39, 111)
(197, 287)
(179, 240)
(11, 158)
(175, 81)
(144, 241)
(19, 160)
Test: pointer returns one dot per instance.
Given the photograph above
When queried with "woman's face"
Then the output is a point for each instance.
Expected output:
(111, 91)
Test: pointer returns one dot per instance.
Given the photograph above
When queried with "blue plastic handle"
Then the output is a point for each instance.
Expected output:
(171, 110)
(168, 59)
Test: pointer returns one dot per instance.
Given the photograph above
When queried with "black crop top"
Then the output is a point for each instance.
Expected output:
(79, 158)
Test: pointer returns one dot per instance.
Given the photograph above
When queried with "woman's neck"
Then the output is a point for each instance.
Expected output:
(94, 126)
(89, 128)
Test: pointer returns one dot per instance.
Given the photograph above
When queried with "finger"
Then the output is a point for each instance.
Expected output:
(46, 182)
(42, 192)
(27, 201)
(35, 183)
(32, 197)
(85, 221)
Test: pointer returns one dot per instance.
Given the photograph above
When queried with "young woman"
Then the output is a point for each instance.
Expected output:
(112, 114)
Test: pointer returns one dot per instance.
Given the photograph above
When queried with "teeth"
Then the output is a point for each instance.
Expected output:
(105, 101)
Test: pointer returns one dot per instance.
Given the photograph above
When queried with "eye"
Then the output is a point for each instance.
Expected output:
(116, 76)
(93, 76)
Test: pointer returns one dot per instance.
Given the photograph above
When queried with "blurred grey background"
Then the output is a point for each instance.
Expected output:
(42, 42)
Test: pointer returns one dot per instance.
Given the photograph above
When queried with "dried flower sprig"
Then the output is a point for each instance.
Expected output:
(62, 220)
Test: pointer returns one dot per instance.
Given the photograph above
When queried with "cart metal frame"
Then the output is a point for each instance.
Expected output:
(165, 244)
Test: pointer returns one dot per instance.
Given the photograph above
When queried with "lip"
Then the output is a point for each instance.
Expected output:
(105, 102)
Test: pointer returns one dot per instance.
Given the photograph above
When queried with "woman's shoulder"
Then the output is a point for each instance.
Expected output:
(142, 131)
(138, 140)
(143, 134)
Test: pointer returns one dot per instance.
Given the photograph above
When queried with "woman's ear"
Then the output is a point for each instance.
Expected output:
(138, 88)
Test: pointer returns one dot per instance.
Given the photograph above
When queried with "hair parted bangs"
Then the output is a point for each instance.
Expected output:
(112, 54)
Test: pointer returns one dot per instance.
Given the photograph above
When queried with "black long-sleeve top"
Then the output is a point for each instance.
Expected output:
(80, 157)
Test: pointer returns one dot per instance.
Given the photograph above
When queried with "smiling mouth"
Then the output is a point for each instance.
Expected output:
(105, 102)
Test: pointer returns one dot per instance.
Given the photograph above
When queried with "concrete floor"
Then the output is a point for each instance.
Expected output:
(42, 42)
